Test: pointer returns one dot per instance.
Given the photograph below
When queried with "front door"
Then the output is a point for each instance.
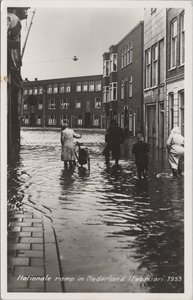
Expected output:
(87, 119)
(32, 119)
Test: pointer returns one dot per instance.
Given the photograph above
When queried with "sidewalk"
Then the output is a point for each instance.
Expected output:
(33, 258)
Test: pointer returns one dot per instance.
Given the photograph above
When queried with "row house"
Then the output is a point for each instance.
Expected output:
(76, 101)
(175, 53)
(164, 56)
(154, 75)
(123, 82)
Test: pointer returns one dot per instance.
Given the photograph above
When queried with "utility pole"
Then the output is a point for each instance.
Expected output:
(28, 33)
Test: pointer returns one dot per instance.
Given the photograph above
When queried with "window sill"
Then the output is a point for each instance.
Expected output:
(171, 69)
(182, 65)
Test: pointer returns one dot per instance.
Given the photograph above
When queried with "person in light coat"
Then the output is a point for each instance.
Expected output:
(68, 147)
(175, 147)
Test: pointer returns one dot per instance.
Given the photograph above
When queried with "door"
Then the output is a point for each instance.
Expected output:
(87, 120)
(32, 119)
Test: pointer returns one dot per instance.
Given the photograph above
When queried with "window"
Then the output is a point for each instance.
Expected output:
(106, 94)
(98, 85)
(113, 91)
(79, 120)
(106, 65)
(171, 110)
(95, 120)
(67, 87)
(51, 119)
(182, 39)
(39, 120)
(122, 90)
(173, 45)
(26, 119)
(49, 89)
(91, 86)
(122, 58)
(78, 103)
(40, 104)
(40, 90)
(129, 53)
(30, 91)
(161, 61)
(25, 91)
(98, 102)
(35, 90)
(64, 104)
(154, 65)
(55, 88)
(78, 86)
(25, 105)
(51, 104)
(147, 68)
(131, 87)
(61, 88)
(181, 104)
(85, 86)
(125, 57)
(63, 119)
(113, 62)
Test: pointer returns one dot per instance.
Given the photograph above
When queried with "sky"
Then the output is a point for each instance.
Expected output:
(59, 34)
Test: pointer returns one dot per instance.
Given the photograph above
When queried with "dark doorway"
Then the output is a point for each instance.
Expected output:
(32, 119)
(87, 119)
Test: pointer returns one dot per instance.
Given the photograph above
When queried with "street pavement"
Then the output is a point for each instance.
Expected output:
(33, 258)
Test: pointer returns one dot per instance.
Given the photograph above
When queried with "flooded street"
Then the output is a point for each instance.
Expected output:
(115, 233)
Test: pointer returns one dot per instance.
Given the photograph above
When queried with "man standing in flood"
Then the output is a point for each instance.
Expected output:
(114, 138)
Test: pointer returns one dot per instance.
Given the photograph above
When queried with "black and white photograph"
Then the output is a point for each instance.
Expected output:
(96, 150)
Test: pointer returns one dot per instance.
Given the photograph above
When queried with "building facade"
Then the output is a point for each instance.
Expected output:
(123, 82)
(50, 103)
(175, 53)
(14, 90)
(155, 118)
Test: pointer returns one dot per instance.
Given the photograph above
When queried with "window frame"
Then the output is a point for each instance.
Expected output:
(173, 43)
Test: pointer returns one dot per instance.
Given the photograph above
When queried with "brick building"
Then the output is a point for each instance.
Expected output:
(175, 53)
(155, 75)
(76, 100)
(123, 82)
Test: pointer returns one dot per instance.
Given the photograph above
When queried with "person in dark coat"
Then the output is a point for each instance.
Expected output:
(114, 138)
(140, 150)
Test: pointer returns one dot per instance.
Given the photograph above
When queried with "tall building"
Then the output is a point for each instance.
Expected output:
(155, 118)
(123, 82)
(175, 53)
(75, 100)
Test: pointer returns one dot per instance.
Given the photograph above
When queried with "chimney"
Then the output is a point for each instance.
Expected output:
(36, 79)
(26, 79)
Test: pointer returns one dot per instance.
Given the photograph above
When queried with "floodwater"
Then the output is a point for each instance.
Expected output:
(115, 233)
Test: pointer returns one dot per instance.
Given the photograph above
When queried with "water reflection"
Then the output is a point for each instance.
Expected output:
(107, 221)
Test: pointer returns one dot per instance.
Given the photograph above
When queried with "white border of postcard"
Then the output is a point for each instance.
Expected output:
(187, 295)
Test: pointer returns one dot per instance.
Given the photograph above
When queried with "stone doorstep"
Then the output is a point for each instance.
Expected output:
(31, 253)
